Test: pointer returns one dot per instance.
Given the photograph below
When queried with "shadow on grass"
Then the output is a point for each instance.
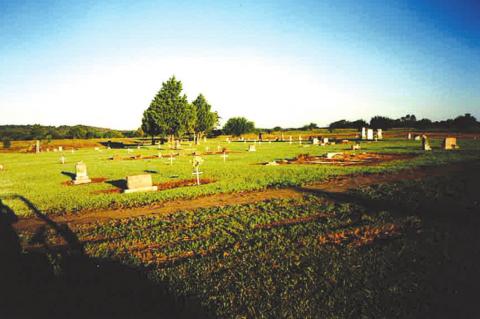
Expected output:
(69, 174)
(66, 283)
(118, 183)
(447, 245)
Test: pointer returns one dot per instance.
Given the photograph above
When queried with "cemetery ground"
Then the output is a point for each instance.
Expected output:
(396, 238)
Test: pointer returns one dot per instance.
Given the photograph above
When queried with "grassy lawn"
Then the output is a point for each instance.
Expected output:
(41, 177)
(401, 250)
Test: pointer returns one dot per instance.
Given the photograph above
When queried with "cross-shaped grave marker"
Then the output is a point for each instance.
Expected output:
(224, 155)
(197, 161)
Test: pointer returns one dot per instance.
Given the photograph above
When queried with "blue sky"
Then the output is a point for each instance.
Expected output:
(283, 63)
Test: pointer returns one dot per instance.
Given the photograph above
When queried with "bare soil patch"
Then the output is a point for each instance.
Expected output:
(346, 159)
(94, 180)
(162, 186)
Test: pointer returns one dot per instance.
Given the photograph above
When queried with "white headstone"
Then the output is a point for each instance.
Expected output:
(60, 148)
(251, 148)
(140, 183)
(37, 146)
(379, 134)
(364, 133)
(62, 159)
(370, 134)
(315, 141)
(81, 176)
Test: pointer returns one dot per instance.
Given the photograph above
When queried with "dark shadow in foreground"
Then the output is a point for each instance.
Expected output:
(68, 284)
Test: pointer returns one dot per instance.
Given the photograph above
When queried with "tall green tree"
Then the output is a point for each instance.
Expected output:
(206, 120)
(237, 126)
(169, 113)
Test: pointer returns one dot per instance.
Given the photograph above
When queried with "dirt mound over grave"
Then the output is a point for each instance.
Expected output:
(162, 186)
(94, 180)
(347, 159)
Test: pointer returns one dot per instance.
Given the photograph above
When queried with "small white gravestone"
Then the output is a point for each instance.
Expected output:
(97, 148)
(218, 148)
(159, 155)
(333, 154)
(315, 141)
(300, 139)
(290, 140)
(364, 133)
(417, 137)
(177, 145)
(425, 144)
(370, 134)
(251, 148)
(73, 150)
(205, 139)
(129, 150)
(207, 148)
(81, 176)
(62, 159)
(138, 147)
(282, 138)
(325, 140)
(409, 136)
(450, 143)
(60, 148)
(55, 150)
(140, 183)
(1, 167)
(272, 163)
(379, 134)
(37, 146)
(355, 147)
(171, 159)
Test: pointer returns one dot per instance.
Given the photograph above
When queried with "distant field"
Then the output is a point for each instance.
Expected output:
(43, 180)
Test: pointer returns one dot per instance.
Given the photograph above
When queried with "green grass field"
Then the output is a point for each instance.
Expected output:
(41, 177)
(403, 250)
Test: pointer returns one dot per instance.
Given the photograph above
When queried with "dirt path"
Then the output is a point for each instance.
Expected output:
(334, 185)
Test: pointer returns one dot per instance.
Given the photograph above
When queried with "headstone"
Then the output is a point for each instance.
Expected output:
(417, 137)
(379, 134)
(300, 139)
(370, 134)
(409, 136)
(218, 148)
(272, 163)
(324, 140)
(62, 159)
(355, 147)
(177, 144)
(97, 148)
(290, 140)
(1, 167)
(140, 183)
(315, 141)
(159, 155)
(450, 143)
(425, 144)
(129, 150)
(37, 146)
(333, 154)
(81, 176)
(251, 148)
(60, 148)
(282, 138)
(73, 150)
(204, 139)
(364, 133)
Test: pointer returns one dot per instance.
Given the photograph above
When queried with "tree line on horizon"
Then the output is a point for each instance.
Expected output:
(170, 116)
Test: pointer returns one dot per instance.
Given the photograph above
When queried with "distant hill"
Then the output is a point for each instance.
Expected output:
(36, 131)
